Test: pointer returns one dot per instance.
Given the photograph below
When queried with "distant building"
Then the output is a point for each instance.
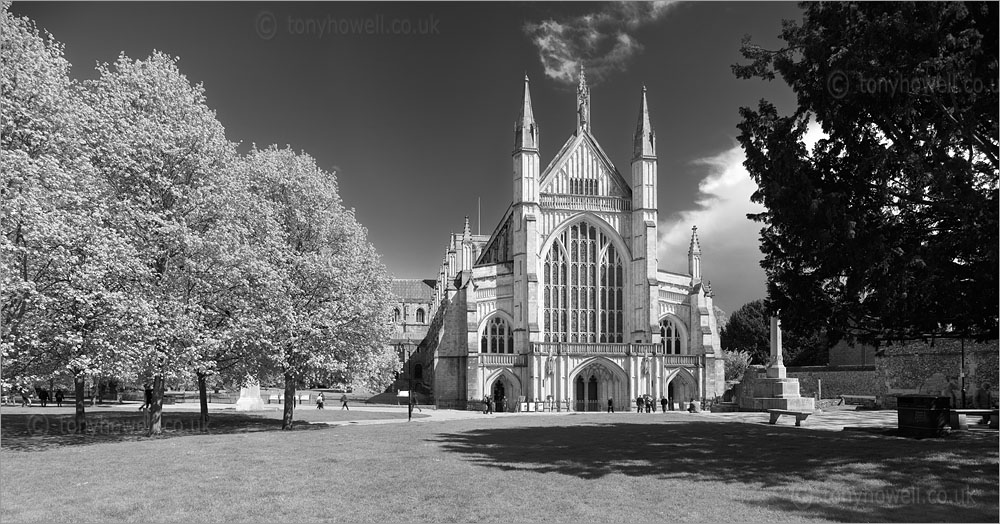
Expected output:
(564, 301)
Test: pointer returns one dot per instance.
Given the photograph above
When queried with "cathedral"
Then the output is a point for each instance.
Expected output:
(563, 307)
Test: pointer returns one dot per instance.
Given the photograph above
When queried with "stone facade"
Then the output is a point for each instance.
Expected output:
(563, 302)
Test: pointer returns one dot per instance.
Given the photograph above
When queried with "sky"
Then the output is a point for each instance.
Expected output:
(413, 104)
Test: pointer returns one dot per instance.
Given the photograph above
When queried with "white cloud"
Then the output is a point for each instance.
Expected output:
(601, 41)
(729, 240)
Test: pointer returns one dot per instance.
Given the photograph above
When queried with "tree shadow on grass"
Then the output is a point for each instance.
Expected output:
(40, 432)
(851, 476)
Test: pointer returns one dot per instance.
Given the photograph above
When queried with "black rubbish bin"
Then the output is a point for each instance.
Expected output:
(923, 415)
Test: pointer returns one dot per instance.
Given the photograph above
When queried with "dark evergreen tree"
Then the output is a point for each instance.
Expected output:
(887, 228)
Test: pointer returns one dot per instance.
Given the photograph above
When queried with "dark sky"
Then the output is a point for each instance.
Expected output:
(418, 126)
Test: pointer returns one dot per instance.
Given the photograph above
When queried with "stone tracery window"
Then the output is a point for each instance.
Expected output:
(497, 337)
(420, 316)
(584, 288)
(395, 315)
(671, 336)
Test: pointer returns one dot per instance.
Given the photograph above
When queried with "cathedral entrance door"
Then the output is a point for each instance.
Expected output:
(579, 394)
(499, 396)
(592, 403)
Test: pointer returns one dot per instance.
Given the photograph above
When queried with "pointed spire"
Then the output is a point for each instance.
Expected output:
(525, 130)
(644, 139)
(694, 257)
(583, 102)
(695, 247)
(467, 232)
(708, 289)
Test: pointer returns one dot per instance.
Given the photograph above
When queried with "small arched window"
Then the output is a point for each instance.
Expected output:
(420, 316)
(671, 336)
(395, 315)
(497, 337)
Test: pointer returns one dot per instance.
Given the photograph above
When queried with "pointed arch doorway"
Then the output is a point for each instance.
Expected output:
(499, 394)
(681, 388)
(595, 383)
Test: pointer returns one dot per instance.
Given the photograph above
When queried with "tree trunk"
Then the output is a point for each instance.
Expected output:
(79, 383)
(203, 395)
(156, 409)
(286, 421)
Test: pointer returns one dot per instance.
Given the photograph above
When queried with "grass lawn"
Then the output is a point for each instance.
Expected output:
(591, 467)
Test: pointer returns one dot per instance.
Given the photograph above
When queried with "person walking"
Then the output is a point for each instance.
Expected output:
(663, 403)
(649, 402)
(611, 405)
(639, 404)
(25, 397)
(43, 397)
(147, 398)
(343, 403)
(319, 400)
(413, 405)
(59, 397)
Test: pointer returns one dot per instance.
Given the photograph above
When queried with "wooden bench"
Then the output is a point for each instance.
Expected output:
(277, 399)
(867, 401)
(799, 415)
(958, 417)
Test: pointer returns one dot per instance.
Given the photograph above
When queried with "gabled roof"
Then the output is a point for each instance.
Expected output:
(498, 232)
(413, 289)
(574, 142)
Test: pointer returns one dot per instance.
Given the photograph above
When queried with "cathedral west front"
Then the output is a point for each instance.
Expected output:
(563, 306)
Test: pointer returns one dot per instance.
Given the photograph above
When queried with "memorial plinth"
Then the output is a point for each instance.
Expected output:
(776, 390)
(250, 397)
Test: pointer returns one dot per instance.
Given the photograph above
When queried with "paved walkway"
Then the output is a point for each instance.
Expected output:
(835, 418)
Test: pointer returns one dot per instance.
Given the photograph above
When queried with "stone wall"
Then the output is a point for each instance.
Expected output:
(935, 368)
(450, 359)
(844, 354)
(837, 380)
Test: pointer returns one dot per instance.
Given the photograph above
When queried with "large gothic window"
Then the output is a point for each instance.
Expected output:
(671, 336)
(497, 337)
(420, 316)
(584, 288)
(395, 315)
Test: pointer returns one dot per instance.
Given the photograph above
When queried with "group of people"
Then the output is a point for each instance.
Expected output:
(321, 400)
(489, 404)
(648, 403)
(43, 396)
